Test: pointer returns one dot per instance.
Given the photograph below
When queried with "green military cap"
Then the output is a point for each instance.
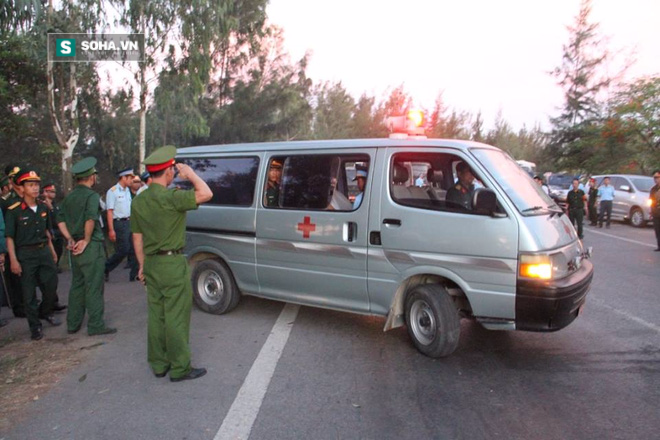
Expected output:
(84, 168)
(161, 158)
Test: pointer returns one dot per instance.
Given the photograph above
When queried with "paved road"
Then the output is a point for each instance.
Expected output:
(338, 376)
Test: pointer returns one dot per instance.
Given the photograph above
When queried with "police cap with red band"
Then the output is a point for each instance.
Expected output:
(161, 159)
(27, 176)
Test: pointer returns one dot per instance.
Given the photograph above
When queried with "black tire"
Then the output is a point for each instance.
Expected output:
(637, 218)
(214, 288)
(432, 320)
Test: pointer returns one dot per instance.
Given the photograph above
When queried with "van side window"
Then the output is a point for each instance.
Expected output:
(232, 179)
(316, 182)
(434, 181)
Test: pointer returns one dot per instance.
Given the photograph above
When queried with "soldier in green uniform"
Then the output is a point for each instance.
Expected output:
(575, 200)
(31, 252)
(273, 185)
(158, 223)
(78, 220)
(13, 282)
(460, 195)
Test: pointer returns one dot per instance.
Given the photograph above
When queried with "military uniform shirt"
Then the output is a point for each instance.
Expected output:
(119, 200)
(80, 205)
(25, 226)
(159, 214)
(460, 195)
(11, 199)
(272, 196)
(575, 199)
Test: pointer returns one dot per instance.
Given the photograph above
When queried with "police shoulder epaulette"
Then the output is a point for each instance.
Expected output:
(14, 205)
(113, 188)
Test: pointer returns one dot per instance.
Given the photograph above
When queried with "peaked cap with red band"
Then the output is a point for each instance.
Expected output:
(27, 176)
(161, 159)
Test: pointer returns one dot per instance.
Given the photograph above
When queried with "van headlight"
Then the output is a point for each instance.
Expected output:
(542, 266)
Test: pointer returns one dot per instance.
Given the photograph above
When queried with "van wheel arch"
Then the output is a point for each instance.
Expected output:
(214, 287)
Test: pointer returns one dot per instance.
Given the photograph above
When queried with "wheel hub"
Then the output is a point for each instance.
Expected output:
(423, 322)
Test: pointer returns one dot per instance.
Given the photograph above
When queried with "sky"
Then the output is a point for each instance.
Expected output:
(482, 55)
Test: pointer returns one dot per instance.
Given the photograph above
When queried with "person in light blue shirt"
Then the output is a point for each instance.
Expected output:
(606, 194)
(420, 181)
(118, 204)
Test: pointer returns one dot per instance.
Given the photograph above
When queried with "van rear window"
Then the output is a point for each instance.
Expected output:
(232, 179)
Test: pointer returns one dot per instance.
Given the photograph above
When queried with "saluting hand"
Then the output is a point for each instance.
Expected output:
(184, 171)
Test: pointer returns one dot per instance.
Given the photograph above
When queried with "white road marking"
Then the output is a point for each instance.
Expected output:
(243, 412)
(627, 315)
(619, 238)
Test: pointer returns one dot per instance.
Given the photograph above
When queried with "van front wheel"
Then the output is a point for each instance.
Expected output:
(214, 289)
(432, 320)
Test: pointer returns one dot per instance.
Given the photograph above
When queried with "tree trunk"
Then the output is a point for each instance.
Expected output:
(143, 116)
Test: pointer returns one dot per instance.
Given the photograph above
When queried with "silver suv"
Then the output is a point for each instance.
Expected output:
(631, 197)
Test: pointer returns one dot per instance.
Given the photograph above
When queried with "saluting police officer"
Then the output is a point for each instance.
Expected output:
(461, 193)
(78, 220)
(31, 252)
(118, 204)
(159, 224)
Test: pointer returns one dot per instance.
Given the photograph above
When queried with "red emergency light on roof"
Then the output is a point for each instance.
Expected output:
(412, 124)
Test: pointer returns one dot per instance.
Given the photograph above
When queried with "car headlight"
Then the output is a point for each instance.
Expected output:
(545, 266)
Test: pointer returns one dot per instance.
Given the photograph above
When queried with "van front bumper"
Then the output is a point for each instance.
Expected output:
(548, 306)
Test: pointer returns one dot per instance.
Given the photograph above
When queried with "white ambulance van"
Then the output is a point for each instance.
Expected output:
(350, 225)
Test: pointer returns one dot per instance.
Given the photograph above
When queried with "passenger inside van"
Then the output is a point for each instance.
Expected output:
(272, 193)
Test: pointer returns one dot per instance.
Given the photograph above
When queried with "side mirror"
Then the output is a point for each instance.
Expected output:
(625, 188)
(484, 201)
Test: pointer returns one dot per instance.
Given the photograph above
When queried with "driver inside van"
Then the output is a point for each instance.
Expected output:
(461, 193)
(272, 196)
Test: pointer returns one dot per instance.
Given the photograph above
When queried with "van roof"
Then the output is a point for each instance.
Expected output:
(331, 144)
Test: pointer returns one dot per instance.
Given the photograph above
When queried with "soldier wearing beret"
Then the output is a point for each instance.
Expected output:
(118, 204)
(31, 252)
(78, 220)
(158, 225)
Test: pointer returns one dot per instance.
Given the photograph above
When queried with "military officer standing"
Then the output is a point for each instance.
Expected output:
(15, 292)
(461, 193)
(78, 220)
(31, 252)
(158, 225)
(575, 200)
(118, 204)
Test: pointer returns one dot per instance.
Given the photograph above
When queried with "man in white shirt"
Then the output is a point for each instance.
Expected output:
(118, 203)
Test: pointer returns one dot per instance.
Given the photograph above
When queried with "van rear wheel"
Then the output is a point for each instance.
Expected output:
(432, 320)
(214, 289)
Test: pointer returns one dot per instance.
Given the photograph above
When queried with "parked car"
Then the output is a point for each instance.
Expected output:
(559, 186)
(631, 197)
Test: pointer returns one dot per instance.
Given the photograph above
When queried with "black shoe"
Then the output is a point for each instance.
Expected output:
(52, 320)
(71, 332)
(19, 313)
(59, 307)
(657, 250)
(37, 334)
(105, 331)
(131, 279)
(195, 373)
(163, 374)
(600, 226)
(106, 276)
(581, 237)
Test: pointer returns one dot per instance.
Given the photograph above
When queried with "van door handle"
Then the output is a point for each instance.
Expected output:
(351, 231)
(392, 222)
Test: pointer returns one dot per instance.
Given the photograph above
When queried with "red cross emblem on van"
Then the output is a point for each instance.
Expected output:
(306, 226)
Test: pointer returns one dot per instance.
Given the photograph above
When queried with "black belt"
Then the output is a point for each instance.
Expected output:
(125, 219)
(171, 252)
(32, 246)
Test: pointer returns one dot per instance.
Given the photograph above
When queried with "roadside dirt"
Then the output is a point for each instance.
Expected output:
(29, 369)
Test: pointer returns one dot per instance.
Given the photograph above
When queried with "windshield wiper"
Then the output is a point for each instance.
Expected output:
(533, 208)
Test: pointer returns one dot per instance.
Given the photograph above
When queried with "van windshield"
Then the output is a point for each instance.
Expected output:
(527, 195)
